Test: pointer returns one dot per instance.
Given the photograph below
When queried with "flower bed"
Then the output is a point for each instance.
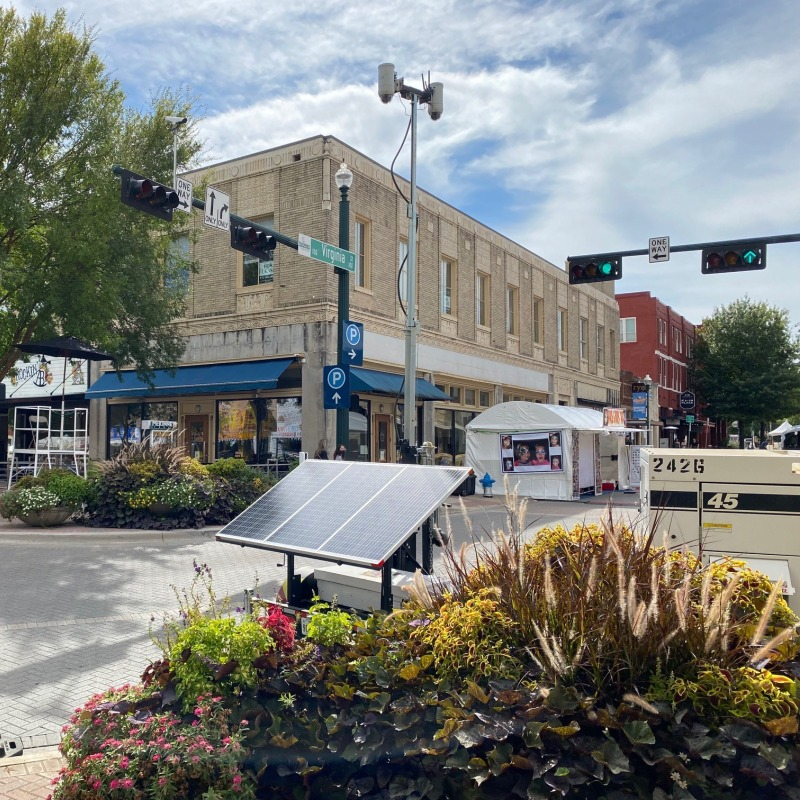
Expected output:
(585, 664)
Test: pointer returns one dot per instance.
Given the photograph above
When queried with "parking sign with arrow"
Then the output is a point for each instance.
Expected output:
(353, 345)
(336, 387)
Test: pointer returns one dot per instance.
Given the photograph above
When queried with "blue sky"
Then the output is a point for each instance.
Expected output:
(571, 126)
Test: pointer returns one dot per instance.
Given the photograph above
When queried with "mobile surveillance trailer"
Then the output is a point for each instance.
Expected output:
(739, 503)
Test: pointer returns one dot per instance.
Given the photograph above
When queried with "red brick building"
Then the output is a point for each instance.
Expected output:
(656, 340)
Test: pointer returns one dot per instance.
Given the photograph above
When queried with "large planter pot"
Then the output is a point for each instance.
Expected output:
(47, 518)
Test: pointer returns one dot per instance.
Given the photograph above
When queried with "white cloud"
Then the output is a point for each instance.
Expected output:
(570, 125)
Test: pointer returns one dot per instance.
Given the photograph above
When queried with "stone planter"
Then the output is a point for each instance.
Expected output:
(47, 518)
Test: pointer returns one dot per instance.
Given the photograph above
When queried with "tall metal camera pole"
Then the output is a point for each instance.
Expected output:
(389, 85)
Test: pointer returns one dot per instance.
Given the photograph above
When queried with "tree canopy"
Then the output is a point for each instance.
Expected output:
(73, 259)
(745, 363)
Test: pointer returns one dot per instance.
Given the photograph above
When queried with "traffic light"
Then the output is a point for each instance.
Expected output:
(595, 270)
(253, 241)
(733, 258)
(148, 196)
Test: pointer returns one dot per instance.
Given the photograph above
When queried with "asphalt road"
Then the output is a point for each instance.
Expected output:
(77, 605)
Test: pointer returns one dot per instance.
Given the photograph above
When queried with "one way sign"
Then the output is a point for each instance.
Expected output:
(659, 249)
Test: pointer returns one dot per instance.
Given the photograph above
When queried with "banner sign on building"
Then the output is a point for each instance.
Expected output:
(639, 397)
(613, 417)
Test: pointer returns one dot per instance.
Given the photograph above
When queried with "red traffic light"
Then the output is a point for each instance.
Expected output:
(147, 195)
(251, 240)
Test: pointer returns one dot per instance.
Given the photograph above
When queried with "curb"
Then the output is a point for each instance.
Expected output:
(24, 535)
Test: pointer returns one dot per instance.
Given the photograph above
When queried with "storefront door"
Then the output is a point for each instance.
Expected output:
(197, 445)
(382, 439)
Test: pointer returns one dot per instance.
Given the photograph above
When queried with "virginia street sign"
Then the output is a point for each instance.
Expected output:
(326, 253)
(659, 249)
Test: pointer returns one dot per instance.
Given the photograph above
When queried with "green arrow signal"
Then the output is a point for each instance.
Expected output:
(750, 256)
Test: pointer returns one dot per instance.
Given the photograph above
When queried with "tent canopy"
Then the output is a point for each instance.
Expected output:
(784, 427)
(520, 416)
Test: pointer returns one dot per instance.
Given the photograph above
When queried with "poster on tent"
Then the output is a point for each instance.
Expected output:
(531, 452)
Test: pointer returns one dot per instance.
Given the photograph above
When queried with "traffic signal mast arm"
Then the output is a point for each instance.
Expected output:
(288, 241)
(682, 248)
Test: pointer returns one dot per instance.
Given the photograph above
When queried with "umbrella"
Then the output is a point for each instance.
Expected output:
(64, 347)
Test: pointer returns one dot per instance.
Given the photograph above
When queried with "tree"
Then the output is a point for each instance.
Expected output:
(73, 259)
(745, 364)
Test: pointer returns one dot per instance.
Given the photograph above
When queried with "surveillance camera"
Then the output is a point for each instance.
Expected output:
(436, 103)
(386, 82)
(177, 120)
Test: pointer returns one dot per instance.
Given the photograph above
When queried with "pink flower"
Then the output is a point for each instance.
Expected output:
(162, 781)
(114, 784)
(124, 761)
(156, 758)
(127, 783)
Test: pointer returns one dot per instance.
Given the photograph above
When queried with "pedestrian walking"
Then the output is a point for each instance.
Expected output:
(340, 454)
(322, 450)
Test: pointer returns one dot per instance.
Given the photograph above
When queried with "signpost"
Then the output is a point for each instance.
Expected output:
(326, 253)
(659, 249)
(353, 349)
(184, 191)
(217, 213)
(336, 387)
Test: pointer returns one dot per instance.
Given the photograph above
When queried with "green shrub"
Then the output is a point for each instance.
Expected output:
(328, 625)
(216, 655)
(51, 488)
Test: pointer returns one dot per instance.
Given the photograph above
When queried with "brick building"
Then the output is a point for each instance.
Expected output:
(656, 340)
(497, 322)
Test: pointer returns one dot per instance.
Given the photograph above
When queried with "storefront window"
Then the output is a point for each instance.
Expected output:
(451, 435)
(359, 432)
(260, 430)
(129, 423)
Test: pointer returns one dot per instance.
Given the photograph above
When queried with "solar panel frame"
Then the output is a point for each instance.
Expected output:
(342, 499)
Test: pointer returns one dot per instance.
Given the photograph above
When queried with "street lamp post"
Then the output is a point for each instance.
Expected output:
(648, 382)
(344, 180)
(174, 124)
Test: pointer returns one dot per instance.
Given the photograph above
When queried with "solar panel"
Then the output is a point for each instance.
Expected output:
(346, 511)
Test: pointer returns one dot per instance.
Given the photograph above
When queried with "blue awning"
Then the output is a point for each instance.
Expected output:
(377, 382)
(242, 376)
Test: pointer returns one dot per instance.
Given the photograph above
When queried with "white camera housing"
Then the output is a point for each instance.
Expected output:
(386, 82)
(177, 120)
(436, 103)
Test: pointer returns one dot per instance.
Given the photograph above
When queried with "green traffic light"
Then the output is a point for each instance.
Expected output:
(605, 268)
(750, 256)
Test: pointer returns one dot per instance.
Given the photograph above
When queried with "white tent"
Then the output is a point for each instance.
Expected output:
(548, 452)
(784, 427)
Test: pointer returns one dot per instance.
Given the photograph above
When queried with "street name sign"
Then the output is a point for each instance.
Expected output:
(183, 189)
(353, 345)
(336, 387)
(659, 249)
(217, 212)
(326, 253)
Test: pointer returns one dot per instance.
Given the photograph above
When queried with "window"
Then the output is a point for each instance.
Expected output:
(688, 346)
(447, 287)
(583, 338)
(361, 249)
(538, 316)
(402, 269)
(258, 271)
(627, 330)
(177, 276)
(562, 330)
(484, 399)
(469, 397)
(676, 339)
(259, 430)
(662, 332)
(512, 310)
(601, 335)
(482, 300)
(455, 394)
(613, 346)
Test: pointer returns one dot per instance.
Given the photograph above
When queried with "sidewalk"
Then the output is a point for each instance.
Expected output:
(29, 776)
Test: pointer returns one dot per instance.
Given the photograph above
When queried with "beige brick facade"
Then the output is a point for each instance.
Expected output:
(294, 188)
